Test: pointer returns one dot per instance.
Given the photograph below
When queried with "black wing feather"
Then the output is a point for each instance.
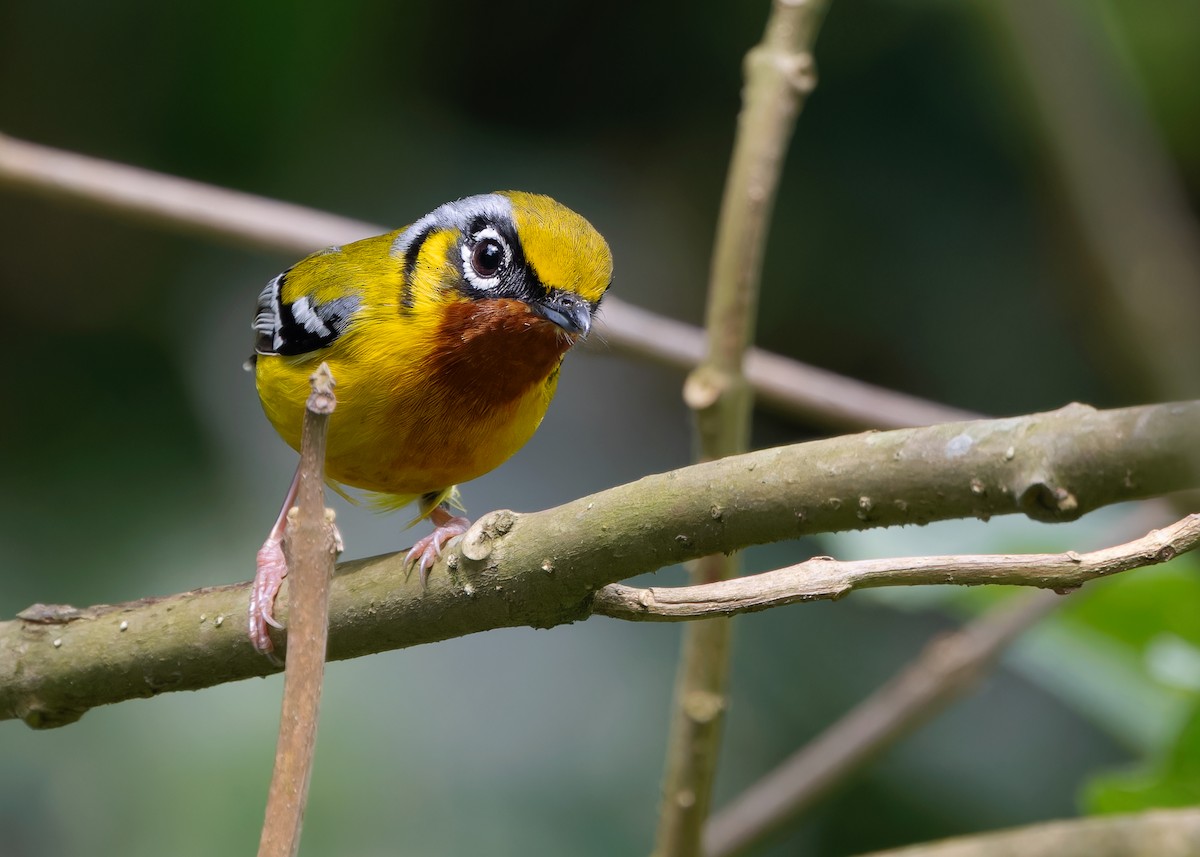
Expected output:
(300, 326)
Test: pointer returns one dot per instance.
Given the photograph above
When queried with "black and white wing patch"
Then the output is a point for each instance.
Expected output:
(300, 326)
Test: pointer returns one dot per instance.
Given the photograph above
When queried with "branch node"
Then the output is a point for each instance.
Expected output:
(338, 546)
(1048, 503)
(50, 614)
(321, 400)
(479, 541)
(800, 72)
(704, 388)
(703, 706)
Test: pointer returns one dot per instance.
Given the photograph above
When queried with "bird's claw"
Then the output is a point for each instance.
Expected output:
(268, 578)
(271, 569)
(427, 550)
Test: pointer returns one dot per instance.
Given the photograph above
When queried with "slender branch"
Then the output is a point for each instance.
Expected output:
(1158, 833)
(779, 74)
(1122, 191)
(168, 201)
(826, 579)
(311, 545)
(944, 671)
(813, 396)
(1124, 198)
(805, 392)
(542, 569)
(948, 667)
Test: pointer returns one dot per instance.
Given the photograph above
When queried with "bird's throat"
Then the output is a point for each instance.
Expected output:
(496, 350)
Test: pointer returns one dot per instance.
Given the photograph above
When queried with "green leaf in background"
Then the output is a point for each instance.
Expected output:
(1125, 653)
(1173, 780)
(1138, 608)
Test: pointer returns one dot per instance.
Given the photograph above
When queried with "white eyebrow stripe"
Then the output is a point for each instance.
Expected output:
(454, 215)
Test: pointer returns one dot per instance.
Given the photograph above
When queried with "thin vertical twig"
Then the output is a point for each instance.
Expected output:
(311, 545)
(779, 72)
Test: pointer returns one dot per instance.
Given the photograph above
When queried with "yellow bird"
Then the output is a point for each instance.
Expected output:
(445, 340)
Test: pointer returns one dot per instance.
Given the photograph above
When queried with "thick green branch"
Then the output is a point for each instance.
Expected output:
(541, 569)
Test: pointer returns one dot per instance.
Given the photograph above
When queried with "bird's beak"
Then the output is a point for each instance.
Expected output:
(566, 309)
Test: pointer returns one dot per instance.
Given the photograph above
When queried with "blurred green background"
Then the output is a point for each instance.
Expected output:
(923, 240)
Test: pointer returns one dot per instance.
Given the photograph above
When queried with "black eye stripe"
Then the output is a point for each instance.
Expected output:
(411, 255)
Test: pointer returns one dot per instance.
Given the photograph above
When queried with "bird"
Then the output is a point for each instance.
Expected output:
(445, 339)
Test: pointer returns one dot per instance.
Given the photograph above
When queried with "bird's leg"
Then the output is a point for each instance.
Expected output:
(271, 569)
(446, 525)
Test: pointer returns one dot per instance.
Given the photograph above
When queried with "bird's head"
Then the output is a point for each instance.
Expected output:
(509, 249)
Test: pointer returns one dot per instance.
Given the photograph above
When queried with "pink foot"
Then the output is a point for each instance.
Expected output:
(427, 550)
(268, 578)
(271, 569)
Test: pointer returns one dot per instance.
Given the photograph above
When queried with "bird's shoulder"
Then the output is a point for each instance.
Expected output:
(317, 300)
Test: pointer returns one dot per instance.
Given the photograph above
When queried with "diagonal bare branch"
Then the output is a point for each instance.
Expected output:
(814, 395)
(947, 668)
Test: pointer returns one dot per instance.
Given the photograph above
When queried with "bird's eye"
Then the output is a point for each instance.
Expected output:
(484, 257)
(487, 257)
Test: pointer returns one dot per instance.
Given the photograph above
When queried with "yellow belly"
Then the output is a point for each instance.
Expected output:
(408, 425)
(411, 441)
